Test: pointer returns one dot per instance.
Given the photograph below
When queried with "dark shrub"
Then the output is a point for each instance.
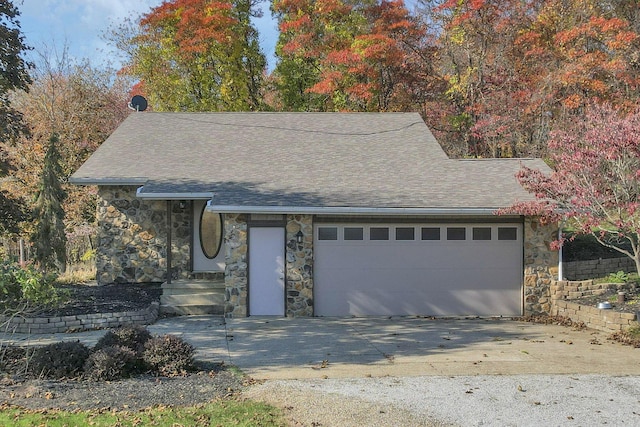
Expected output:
(130, 336)
(168, 355)
(59, 360)
(112, 363)
(585, 247)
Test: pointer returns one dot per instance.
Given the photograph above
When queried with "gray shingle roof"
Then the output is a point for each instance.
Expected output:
(360, 160)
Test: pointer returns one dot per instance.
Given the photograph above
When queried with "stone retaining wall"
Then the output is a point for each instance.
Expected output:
(583, 270)
(564, 293)
(593, 317)
(81, 322)
(568, 290)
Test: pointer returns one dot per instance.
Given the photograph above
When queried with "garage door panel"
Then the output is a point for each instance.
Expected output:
(441, 302)
(424, 284)
(418, 278)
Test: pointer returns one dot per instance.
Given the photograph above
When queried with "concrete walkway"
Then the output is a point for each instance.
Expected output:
(281, 348)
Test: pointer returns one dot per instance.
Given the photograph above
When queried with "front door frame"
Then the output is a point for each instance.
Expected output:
(280, 224)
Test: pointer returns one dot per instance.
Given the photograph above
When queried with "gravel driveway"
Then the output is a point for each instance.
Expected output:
(515, 400)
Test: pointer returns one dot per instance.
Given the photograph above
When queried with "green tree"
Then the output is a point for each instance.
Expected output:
(14, 75)
(49, 236)
(15, 70)
(197, 55)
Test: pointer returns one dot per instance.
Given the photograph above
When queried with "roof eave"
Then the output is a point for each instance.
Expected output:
(107, 181)
(348, 210)
(173, 196)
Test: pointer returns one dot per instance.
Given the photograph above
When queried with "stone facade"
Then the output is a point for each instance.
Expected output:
(132, 242)
(299, 266)
(236, 268)
(540, 266)
(132, 237)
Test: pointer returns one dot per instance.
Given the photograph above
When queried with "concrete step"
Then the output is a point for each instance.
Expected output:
(193, 284)
(193, 296)
(217, 310)
(192, 291)
(193, 299)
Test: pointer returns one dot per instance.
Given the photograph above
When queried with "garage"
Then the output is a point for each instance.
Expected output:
(399, 269)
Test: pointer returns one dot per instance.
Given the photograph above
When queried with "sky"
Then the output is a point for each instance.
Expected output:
(80, 24)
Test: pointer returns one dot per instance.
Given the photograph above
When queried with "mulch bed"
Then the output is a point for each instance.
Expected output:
(91, 298)
(207, 383)
(129, 394)
(630, 305)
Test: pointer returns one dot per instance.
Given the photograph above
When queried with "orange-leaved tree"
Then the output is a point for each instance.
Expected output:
(353, 56)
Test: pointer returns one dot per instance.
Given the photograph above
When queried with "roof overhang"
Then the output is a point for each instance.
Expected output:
(141, 194)
(107, 181)
(348, 210)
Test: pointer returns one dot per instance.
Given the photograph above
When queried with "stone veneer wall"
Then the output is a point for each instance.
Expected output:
(540, 266)
(299, 266)
(132, 237)
(235, 273)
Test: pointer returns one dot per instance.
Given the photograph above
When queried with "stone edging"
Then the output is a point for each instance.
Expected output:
(563, 296)
(593, 317)
(81, 322)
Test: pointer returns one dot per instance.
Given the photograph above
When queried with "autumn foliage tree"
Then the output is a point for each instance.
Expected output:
(197, 55)
(516, 69)
(354, 56)
(79, 103)
(595, 185)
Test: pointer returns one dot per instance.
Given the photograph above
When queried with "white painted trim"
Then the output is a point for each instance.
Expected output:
(346, 210)
(560, 269)
(172, 196)
(200, 263)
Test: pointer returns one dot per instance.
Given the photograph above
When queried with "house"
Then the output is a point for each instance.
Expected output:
(316, 214)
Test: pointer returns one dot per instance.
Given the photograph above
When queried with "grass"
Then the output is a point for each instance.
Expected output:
(221, 413)
(634, 331)
(73, 276)
(619, 277)
(629, 336)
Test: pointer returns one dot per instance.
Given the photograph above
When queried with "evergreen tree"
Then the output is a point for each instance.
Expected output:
(49, 236)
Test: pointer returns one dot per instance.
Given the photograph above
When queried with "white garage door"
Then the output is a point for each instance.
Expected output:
(418, 269)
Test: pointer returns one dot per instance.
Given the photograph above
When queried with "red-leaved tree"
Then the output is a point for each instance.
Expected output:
(595, 185)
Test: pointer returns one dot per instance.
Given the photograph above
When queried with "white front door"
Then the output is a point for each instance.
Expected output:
(266, 271)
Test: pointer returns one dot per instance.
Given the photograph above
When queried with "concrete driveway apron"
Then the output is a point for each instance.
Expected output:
(282, 348)
(289, 348)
